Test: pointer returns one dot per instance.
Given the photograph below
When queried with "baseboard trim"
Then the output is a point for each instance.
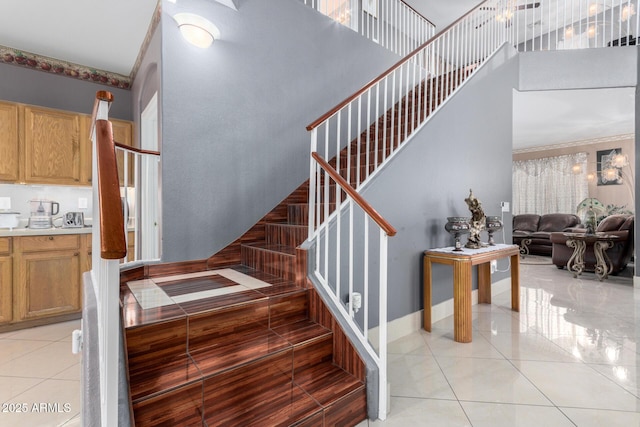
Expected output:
(412, 322)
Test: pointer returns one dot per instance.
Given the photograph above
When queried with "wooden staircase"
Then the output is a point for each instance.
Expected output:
(270, 354)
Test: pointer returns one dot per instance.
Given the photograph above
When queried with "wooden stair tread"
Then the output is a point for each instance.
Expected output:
(283, 249)
(326, 382)
(301, 332)
(286, 405)
(161, 376)
(239, 350)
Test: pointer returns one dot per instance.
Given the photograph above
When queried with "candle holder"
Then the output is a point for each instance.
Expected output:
(457, 226)
(493, 224)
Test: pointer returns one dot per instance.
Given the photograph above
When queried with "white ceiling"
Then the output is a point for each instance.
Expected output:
(107, 35)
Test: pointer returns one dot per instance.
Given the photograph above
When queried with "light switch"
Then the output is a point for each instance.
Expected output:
(82, 203)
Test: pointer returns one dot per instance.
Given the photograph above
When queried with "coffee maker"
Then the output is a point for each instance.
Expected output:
(42, 212)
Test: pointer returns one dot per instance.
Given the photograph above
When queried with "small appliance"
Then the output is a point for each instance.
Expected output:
(42, 212)
(9, 219)
(73, 220)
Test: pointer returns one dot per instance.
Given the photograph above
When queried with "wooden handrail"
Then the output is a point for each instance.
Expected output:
(388, 228)
(394, 67)
(113, 244)
(136, 150)
(101, 95)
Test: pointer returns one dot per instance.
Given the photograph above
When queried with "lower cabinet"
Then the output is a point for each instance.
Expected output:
(47, 276)
(6, 281)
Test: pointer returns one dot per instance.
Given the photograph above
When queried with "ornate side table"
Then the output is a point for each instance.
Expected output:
(601, 242)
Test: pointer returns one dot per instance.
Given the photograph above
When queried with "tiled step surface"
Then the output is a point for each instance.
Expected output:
(232, 357)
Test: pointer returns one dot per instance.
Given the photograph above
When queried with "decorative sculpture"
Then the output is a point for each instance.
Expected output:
(478, 221)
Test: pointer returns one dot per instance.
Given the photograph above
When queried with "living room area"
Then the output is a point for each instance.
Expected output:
(573, 174)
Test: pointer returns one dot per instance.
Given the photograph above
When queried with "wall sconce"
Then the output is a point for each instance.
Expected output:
(197, 30)
(610, 175)
(627, 12)
(591, 177)
(594, 8)
(591, 31)
(568, 33)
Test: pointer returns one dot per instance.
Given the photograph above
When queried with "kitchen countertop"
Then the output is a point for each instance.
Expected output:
(23, 231)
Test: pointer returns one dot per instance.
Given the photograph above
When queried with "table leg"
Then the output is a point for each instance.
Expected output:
(603, 263)
(462, 301)
(515, 282)
(426, 289)
(484, 283)
(576, 262)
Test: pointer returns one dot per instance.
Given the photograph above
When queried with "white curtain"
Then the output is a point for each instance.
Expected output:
(550, 185)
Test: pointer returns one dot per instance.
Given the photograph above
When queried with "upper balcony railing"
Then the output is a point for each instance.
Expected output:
(567, 24)
(392, 23)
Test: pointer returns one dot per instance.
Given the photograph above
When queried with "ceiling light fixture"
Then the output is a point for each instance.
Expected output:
(197, 30)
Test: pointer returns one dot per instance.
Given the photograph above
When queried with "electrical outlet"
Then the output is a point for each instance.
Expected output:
(505, 206)
(494, 265)
(5, 202)
(83, 203)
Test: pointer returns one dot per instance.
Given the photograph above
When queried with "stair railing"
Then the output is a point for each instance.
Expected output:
(573, 24)
(109, 231)
(108, 234)
(393, 24)
(339, 259)
(142, 222)
(361, 133)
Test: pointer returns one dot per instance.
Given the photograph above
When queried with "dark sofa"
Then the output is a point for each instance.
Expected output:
(532, 232)
(620, 254)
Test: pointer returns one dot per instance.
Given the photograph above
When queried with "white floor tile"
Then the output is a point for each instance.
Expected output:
(528, 347)
(509, 415)
(490, 380)
(12, 349)
(417, 376)
(44, 362)
(54, 332)
(50, 403)
(577, 385)
(441, 344)
(599, 418)
(424, 413)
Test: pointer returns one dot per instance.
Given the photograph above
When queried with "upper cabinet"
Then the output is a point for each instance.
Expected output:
(51, 146)
(123, 133)
(9, 142)
(47, 146)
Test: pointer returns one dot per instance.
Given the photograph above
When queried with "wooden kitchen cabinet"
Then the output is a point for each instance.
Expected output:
(47, 279)
(51, 146)
(122, 133)
(6, 281)
(9, 142)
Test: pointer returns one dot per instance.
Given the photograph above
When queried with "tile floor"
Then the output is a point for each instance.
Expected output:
(569, 358)
(40, 377)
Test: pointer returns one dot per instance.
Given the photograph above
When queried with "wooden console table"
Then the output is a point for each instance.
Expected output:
(462, 263)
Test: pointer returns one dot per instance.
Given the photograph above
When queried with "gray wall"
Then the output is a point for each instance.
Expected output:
(467, 145)
(19, 84)
(147, 81)
(579, 69)
(234, 142)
